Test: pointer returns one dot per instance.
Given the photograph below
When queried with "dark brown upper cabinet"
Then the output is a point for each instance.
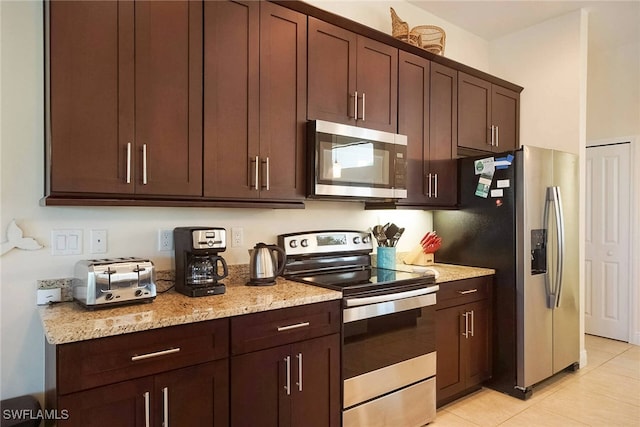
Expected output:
(125, 85)
(427, 114)
(352, 79)
(488, 115)
(254, 101)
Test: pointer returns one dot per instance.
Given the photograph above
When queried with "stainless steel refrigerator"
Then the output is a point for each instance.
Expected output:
(519, 215)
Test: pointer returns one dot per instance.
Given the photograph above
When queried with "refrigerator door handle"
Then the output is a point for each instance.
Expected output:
(553, 293)
(560, 242)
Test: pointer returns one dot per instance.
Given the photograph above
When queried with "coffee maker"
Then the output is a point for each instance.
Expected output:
(197, 261)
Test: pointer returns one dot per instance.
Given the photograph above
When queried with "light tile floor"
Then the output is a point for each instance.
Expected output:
(605, 393)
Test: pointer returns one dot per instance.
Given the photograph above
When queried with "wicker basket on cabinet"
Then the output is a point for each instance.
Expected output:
(427, 37)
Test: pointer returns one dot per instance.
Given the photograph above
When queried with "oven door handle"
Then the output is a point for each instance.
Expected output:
(355, 302)
(362, 312)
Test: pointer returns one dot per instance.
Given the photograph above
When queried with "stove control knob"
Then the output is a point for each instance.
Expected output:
(108, 297)
(210, 243)
(366, 239)
(304, 243)
(356, 240)
(293, 244)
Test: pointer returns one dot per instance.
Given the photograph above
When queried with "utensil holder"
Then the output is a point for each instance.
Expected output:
(386, 257)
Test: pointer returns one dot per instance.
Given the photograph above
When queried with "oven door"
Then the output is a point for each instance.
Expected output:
(388, 348)
(349, 161)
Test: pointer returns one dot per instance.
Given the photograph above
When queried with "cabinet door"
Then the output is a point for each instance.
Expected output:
(413, 121)
(505, 114)
(449, 345)
(331, 71)
(125, 404)
(258, 394)
(478, 344)
(443, 135)
(283, 100)
(316, 382)
(231, 99)
(168, 98)
(377, 85)
(474, 113)
(91, 96)
(198, 395)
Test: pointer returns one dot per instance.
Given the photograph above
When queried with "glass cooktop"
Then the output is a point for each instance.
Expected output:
(370, 280)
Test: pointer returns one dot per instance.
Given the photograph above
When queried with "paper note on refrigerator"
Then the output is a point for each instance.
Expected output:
(484, 166)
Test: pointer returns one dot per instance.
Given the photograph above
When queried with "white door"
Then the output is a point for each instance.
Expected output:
(608, 230)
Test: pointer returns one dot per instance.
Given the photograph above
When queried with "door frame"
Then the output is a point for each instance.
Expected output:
(634, 247)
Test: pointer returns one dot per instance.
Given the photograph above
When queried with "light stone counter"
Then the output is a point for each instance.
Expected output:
(68, 322)
(450, 272)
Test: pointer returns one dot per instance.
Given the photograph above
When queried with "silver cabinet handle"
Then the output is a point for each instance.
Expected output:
(355, 105)
(165, 407)
(144, 164)
(296, 326)
(146, 409)
(435, 179)
(287, 385)
(466, 324)
(429, 179)
(468, 291)
(363, 104)
(266, 162)
(473, 321)
(497, 136)
(257, 171)
(491, 138)
(299, 383)
(128, 163)
(155, 354)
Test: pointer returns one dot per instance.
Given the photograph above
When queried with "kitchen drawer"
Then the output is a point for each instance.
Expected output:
(463, 291)
(258, 331)
(87, 364)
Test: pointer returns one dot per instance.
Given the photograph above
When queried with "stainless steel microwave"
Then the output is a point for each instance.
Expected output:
(354, 162)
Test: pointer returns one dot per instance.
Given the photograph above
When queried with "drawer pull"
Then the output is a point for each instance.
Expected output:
(156, 354)
(468, 291)
(296, 326)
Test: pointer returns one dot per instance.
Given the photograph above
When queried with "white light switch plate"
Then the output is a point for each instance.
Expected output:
(45, 296)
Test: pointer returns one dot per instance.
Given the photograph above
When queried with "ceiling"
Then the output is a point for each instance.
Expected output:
(610, 22)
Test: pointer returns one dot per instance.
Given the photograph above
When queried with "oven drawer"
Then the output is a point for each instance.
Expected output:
(88, 364)
(257, 331)
(463, 291)
(418, 403)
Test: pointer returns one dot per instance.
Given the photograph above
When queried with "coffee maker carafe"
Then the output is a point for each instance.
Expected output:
(198, 265)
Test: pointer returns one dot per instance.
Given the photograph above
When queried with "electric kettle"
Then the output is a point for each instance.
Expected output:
(265, 265)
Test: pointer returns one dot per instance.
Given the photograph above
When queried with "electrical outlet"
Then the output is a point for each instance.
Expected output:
(165, 240)
(98, 242)
(237, 236)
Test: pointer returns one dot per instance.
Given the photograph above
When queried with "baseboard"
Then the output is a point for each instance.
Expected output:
(583, 358)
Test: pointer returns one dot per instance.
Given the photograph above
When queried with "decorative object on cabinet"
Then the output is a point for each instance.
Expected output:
(15, 240)
(428, 37)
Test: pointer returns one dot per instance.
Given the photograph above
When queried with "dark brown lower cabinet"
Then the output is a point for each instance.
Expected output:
(290, 385)
(285, 367)
(197, 395)
(463, 338)
(176, 376)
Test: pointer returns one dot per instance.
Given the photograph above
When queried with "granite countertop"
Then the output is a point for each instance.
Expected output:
(450, 272)
(69, 321)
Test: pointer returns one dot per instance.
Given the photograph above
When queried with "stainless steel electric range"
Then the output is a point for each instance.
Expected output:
(388, 336)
